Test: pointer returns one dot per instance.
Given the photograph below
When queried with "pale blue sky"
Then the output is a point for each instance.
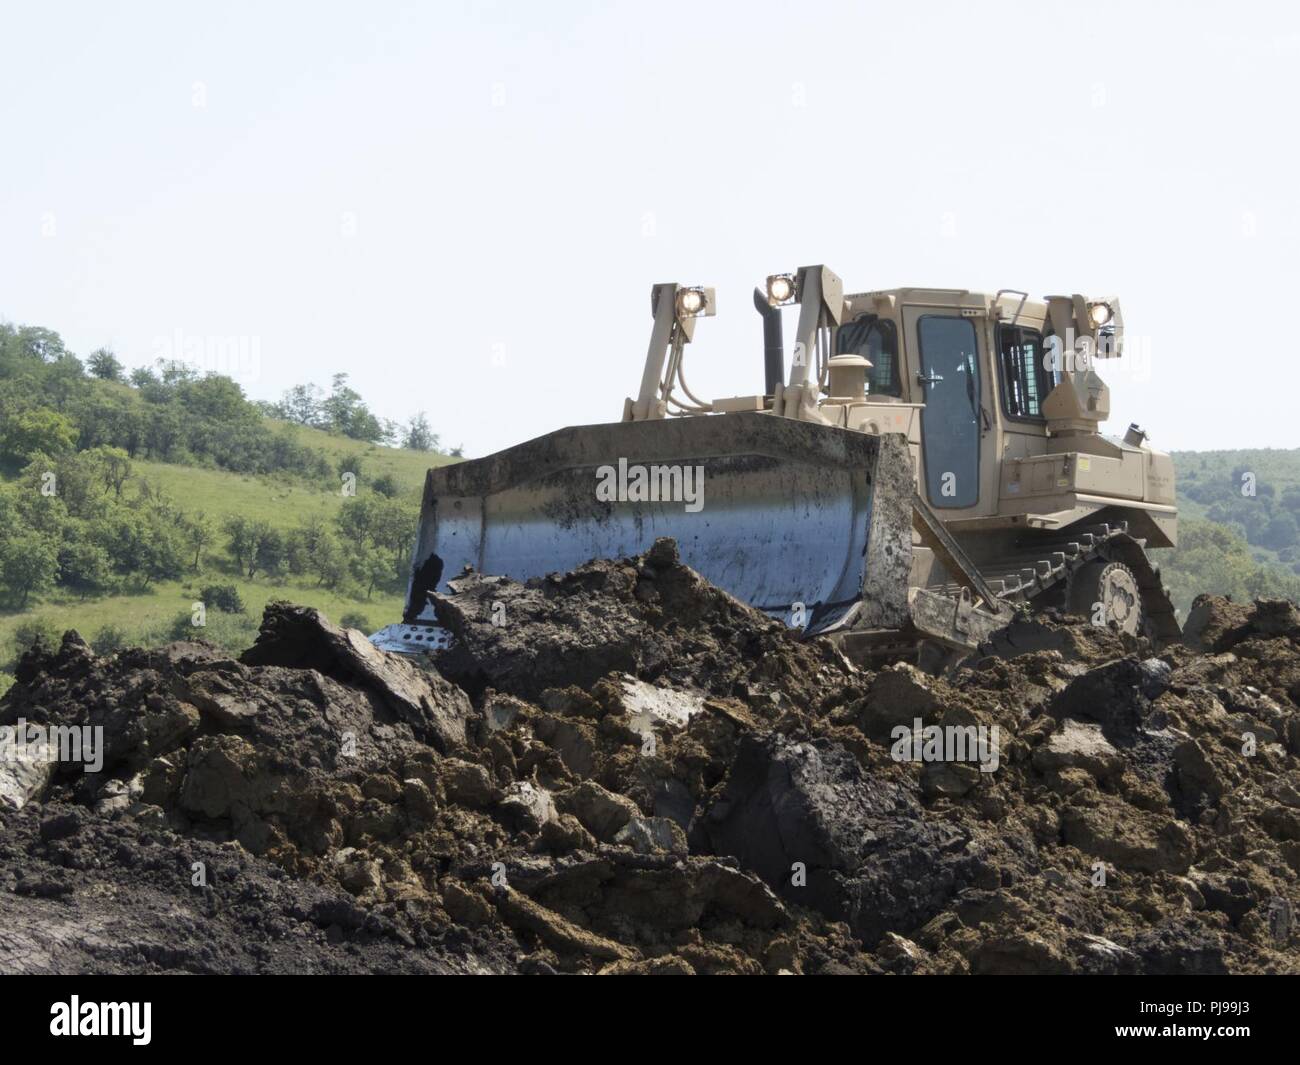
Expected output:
(462, 204)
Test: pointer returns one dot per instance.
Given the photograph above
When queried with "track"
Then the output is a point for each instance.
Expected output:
(1039, 571)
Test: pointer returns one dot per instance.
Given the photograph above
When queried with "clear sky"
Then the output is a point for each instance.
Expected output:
(464, 206)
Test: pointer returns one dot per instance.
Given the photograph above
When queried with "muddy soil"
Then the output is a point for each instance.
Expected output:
(624, 770)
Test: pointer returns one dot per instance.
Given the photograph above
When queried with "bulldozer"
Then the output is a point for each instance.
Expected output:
(922, 467)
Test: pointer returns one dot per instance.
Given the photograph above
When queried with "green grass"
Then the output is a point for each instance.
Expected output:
(407, 467)
(146, 617)
(282, 501)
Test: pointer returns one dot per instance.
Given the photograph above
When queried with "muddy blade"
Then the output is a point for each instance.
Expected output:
(774, 511)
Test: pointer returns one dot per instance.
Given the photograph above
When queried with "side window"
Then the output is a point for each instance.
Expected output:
(1026, 382)
(876, 340)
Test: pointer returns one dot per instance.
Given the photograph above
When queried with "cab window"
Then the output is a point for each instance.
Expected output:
(876, 340)
(1026, 382)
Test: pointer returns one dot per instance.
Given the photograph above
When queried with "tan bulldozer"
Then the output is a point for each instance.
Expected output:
(928, 465)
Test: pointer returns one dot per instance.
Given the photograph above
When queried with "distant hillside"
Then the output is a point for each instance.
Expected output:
(123, 504)
(1239, 528)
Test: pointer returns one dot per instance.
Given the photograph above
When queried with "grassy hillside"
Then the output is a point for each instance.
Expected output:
(153, 615)
(408, 467)
(125, 499)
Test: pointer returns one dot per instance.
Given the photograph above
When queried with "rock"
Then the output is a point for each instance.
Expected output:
(573, 740)
(222, 773)
(1079, 745)
(467, 783)
(647, 705)
(1018, 954)
(526, 806)
(1281, 822)
(860, 845)
(900, 953)
(1154, 676)
(1111, 830)
(601, 812)
(1180, 947)
(522, 913)
(418, 799)
(948, 779)
(358, 874)
(1197, 776)
(302, 638)
(465, 904)
(1114, 696)
(1227, 894)
(565, 833)
(114, 798)
(500, 710)
(652, 835)
(899, 694)
(1214, 623)
(24, 772)
(1098, 955)
(668, 965)
(1275, 617)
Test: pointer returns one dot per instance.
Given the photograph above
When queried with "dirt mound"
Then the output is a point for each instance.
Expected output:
(623, 769)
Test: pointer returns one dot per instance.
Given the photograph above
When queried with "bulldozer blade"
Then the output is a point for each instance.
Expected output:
(809, 523)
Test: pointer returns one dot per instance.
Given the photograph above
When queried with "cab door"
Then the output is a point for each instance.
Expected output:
(949, 382)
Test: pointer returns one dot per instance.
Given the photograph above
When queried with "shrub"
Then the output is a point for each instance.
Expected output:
(354, 619)
(223, 597)
(108, 639)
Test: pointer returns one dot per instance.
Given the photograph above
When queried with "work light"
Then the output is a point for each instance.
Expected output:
(692, 302)
(780, 289)
(1100, 313)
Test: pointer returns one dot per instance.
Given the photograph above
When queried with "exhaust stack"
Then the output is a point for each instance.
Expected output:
(773, 343)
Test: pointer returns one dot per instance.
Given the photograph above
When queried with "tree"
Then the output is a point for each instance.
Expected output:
(199, 534)
(241, 540)
(84, 565)
(38, 430)
(328, 563)
(43, 344)
(29, 564)
(301, 404)
(103, 364)
(255, 545)
(163, 550)
(344, 412)
(269, 554)
(419, 436)
(114, 467)
(371, 568)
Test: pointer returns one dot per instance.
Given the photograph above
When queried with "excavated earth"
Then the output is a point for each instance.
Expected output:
(624, 770)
